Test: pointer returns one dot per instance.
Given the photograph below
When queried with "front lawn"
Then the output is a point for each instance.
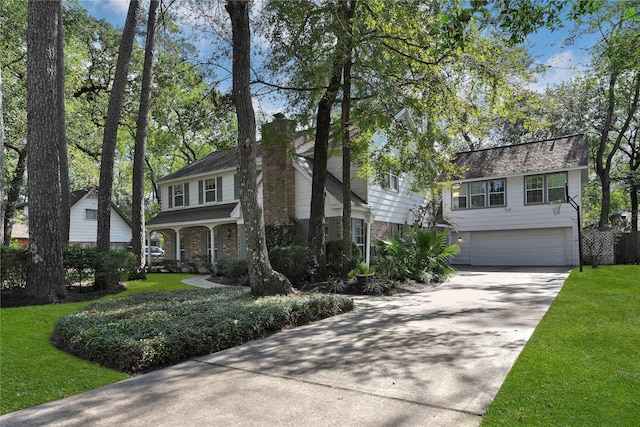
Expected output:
(135, 333)
(582, 364)
(32, 371)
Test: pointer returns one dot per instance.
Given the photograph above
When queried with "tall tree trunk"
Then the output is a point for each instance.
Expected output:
(634, 188)
(2, 226)
(142, 128)
(13, 194)
(264, 280)
(45, 278)
(604, 160)
(316, 237)
(65, 196)
(349, 12)
(111, 129)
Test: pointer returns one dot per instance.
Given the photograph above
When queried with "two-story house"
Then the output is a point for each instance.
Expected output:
(201, 212)
(500, 207)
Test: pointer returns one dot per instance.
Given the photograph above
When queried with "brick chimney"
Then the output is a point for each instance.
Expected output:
(278, 172)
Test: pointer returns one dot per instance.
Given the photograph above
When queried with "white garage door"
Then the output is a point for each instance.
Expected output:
(545, 246)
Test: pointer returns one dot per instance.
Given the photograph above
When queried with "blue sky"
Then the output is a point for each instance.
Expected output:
(548, 48)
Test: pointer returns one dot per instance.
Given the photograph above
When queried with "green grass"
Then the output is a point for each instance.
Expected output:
(32, 371)
(581, 367)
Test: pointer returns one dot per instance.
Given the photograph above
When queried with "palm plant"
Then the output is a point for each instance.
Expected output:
(420, 253)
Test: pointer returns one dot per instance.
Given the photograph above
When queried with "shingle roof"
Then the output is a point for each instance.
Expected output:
(567, 152)
(193, 214)
(218, 160)
(76, 196)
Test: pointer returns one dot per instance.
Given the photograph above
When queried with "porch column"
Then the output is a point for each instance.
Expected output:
(212, 257)
(147, 244)
(177, 244)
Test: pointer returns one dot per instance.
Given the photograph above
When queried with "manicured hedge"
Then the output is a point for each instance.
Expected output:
(152, 329)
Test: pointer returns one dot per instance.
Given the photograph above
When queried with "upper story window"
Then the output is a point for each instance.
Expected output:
(392, 181)
(91, 214)
(479, 194)
(459, 194)
(544, 188)
(210, 190)
(179, 195)
(496, 192)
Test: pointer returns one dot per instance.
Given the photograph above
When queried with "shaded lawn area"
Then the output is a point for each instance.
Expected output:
(33, 371)
(582, 364)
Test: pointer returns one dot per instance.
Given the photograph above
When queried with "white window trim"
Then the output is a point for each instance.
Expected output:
(176, 195)
(545, 188)
(208, 191)
(487, 194)
(392, 182)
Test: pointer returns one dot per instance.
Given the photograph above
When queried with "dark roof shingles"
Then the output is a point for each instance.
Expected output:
(193, 214)
(568, 152)
(218, 160)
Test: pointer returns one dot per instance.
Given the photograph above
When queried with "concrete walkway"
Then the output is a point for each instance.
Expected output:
(433, 358)
(201, 282)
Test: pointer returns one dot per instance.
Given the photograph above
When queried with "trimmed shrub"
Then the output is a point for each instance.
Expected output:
(295, 262)
(229, 266)
(334, 256)
(152, 329)
(81, 265)
(13, 267)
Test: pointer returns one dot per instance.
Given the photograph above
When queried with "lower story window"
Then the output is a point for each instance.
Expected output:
(357, 233)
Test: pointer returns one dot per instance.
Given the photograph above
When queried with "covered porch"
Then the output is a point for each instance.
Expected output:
(203, 234)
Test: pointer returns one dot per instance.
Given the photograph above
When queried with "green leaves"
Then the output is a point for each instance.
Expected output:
(148, 330)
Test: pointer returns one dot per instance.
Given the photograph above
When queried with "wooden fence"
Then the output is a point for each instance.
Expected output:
(608, 247)
(628, 248)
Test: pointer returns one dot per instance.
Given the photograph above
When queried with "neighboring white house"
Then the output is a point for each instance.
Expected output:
(499, 209)
(201, 213)
(83, 229)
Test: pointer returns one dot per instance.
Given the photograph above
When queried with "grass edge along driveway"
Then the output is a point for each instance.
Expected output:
(33, 371)
(582, 363)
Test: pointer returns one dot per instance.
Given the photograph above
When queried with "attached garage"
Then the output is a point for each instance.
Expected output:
(533, 247)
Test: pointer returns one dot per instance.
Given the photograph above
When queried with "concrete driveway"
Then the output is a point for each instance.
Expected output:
(436, 357)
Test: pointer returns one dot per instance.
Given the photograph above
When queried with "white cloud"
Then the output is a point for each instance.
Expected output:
(558, 68)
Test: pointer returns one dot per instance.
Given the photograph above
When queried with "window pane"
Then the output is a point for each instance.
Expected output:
(534, 196)
(535, 182)
(496, 186)
(459, 190)
(459, 193)
(91, 214)
(556, 194)
(177, 189)
(556, 179)
(476, 188)
(496, 199)
(178, 201)
(477, 191)
(477, 201)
